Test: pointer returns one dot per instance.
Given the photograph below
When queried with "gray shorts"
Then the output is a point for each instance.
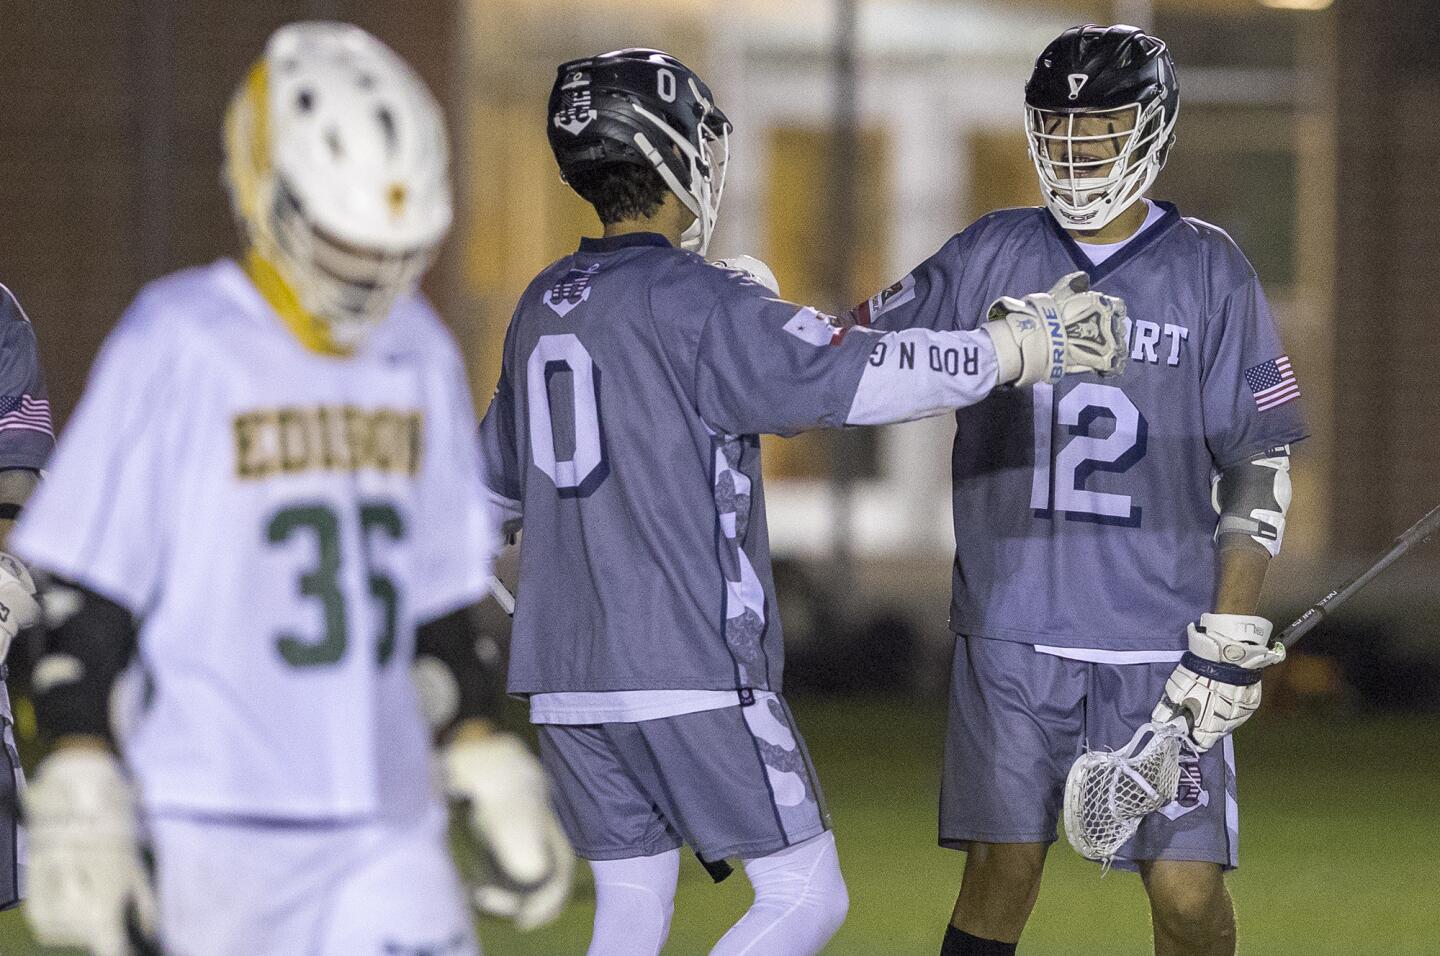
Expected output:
(730, 782)
(1019, 718)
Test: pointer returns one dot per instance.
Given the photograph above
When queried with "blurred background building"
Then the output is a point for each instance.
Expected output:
(867, 132)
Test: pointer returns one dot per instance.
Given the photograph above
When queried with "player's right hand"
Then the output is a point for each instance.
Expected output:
(18, 607)
(1045, 335)
(501, 790)
(85, 876)
(1217, 684)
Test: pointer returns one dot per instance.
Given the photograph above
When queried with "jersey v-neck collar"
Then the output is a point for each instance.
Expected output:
(626, 241)
(1133, 248)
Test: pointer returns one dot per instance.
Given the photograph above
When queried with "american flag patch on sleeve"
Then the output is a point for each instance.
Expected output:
(23, 413)
(1272, 383)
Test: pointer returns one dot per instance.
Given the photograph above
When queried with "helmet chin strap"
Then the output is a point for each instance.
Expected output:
(1132, 191)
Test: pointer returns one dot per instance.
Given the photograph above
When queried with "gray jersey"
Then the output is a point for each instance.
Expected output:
(635, 379)
(26, 440)
(1082, 511)
(26, 434)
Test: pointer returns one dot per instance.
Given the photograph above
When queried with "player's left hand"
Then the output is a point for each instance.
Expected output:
(1217, 683)
(751, 267)
(502, 792)
(1068, 330)
(87, 886)
(1095, 326)
(18, 607)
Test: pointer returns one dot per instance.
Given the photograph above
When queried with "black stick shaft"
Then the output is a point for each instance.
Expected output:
(1419, 532)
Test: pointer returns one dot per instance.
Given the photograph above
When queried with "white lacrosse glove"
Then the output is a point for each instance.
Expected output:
(526, 861)
(1069, 329)
(1217, 683)
(85, 875)
(751, 267)
(18, 607)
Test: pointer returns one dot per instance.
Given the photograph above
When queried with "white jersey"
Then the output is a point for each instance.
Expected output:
(278, 522)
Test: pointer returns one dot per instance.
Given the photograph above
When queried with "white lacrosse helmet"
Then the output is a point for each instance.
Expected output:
(1118, 83)
(338, 167)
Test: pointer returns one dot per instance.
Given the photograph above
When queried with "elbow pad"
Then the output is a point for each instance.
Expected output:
(459, 670)
(1252, 499)
(86, 643)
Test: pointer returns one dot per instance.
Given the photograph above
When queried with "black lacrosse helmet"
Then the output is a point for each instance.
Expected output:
(646, 108)
(1094, 70)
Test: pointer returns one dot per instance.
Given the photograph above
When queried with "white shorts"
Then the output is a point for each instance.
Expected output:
(238, 888)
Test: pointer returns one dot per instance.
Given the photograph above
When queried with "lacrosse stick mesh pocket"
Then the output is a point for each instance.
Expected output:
(1108, 793)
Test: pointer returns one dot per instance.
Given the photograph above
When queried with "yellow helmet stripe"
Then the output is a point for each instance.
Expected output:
(313, 333)
(247, 139)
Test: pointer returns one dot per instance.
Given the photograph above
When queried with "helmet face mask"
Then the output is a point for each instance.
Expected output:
(337, 162)
(644, 107)
(702, 190)
(1095, 165)
(349, 288)
(1100, 111)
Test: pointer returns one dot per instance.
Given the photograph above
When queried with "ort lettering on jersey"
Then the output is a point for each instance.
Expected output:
(635, 380)
(1082, 510)
(279, 523)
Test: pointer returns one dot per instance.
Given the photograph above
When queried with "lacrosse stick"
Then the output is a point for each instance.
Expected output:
(1108, 793)
(502, 595)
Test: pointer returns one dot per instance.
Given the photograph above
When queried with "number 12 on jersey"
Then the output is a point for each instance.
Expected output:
(1063, 467)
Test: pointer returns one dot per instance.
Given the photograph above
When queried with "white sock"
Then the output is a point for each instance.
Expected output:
(634, 900)
(800, 901)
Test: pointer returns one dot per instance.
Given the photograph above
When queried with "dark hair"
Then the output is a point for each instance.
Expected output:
(620, 191)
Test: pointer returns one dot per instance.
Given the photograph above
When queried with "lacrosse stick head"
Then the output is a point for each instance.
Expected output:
(1109, 792)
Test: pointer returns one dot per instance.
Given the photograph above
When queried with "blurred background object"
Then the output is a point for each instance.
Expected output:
(867, 133)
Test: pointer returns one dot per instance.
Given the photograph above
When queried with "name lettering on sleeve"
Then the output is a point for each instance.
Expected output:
(948, 360)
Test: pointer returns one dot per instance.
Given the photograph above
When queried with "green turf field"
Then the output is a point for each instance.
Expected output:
(1338, 849)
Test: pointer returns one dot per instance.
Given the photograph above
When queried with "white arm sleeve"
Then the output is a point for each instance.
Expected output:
(916, 373)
